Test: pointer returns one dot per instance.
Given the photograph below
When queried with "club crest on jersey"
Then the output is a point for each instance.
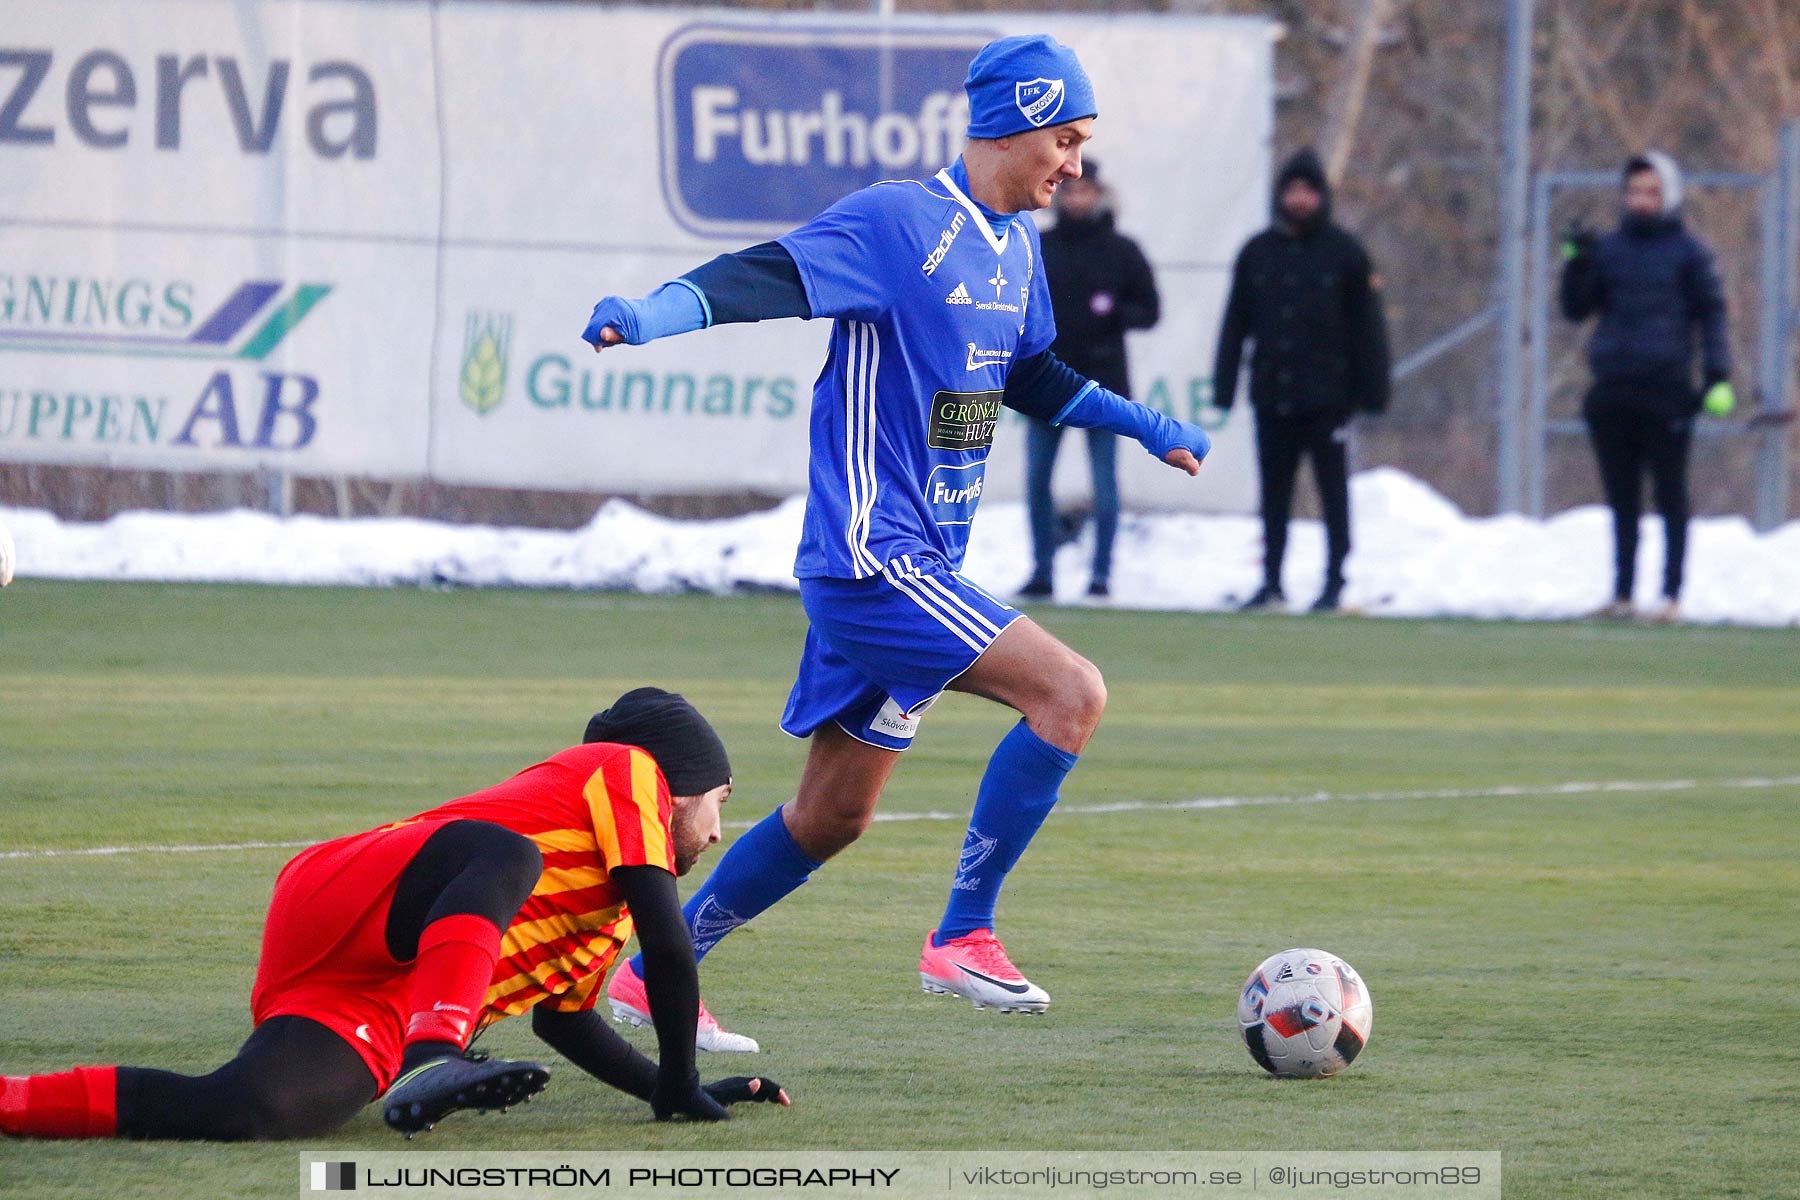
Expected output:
(1039, 100)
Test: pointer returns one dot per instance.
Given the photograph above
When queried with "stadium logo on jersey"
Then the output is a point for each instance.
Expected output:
(487, 344)
(980, 359)
(954, 492)
(946, 239)
(960, 295)
(1039, 100)
(763, 128)
(963, 420)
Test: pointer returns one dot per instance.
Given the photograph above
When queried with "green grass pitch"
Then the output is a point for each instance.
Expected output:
(1604, 986)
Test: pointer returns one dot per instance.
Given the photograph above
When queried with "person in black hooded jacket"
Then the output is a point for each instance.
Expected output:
(1653, 284)
(1304, 293)
(1101, 286)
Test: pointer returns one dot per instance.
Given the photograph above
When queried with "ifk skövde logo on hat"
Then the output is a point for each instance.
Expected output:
(1039, 100)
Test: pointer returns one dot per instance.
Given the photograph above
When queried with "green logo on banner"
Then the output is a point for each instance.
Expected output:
(486, 345)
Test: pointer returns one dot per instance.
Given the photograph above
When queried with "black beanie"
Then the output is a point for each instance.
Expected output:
(674, 733)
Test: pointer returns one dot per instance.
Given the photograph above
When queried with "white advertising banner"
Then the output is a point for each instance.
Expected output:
(218, 229)
(347, 238)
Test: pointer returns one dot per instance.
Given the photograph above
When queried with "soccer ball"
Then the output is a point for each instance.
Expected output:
(7, 555)
(1305, 1014)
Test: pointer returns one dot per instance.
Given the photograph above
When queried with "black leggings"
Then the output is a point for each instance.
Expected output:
(1627, 442)
(294, 1077)
(1280, 441)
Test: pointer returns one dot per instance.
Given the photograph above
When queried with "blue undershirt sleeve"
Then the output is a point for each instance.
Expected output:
(761, 283)
(1045, 387)
(757, 284)
(1042, 385)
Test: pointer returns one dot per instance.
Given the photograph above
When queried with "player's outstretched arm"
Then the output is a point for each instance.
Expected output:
(672, 985)
(585, 1039)
(1045, 387)
(757, 284)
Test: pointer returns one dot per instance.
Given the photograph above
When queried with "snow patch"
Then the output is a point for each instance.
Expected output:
(1415, 555)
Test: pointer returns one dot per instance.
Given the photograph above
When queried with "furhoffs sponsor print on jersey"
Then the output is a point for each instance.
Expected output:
(762, 128)
(955, 492)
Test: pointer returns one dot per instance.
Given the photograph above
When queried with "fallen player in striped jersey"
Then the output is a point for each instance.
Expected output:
(386, 952)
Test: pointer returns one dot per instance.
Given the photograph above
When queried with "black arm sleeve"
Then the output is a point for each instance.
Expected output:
(671, 978)
(1042, 386)
(1232, 331)
(1706, 302)
(1369, 339)
(585, 1039)
(758, 284)
(1581, 286)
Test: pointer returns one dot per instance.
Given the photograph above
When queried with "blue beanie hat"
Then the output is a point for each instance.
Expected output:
(1021, 83)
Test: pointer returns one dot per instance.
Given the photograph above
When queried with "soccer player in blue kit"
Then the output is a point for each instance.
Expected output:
(941, 316)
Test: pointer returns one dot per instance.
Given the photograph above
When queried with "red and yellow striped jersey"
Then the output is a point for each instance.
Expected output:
(589, 809)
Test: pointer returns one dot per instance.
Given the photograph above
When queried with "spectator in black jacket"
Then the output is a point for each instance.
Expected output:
(1304, 293)
(1653, 284)
(1100, 286)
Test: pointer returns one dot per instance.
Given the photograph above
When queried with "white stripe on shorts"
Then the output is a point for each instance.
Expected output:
(910, 582)
(971, 636)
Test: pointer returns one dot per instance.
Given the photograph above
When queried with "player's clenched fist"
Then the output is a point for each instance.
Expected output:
(675, 307)
(615, 320)
(1185, 447)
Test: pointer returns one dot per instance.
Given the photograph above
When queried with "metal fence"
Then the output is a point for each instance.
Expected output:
(1776, 196)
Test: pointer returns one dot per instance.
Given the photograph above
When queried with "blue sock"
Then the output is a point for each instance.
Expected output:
(760, 868)
(1017, 792)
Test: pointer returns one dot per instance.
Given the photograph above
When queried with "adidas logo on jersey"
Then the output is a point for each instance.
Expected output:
(960, 295)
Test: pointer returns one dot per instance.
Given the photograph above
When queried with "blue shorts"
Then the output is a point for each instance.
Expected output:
(881, 649)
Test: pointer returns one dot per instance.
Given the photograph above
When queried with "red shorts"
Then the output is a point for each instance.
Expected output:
(324, 947)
